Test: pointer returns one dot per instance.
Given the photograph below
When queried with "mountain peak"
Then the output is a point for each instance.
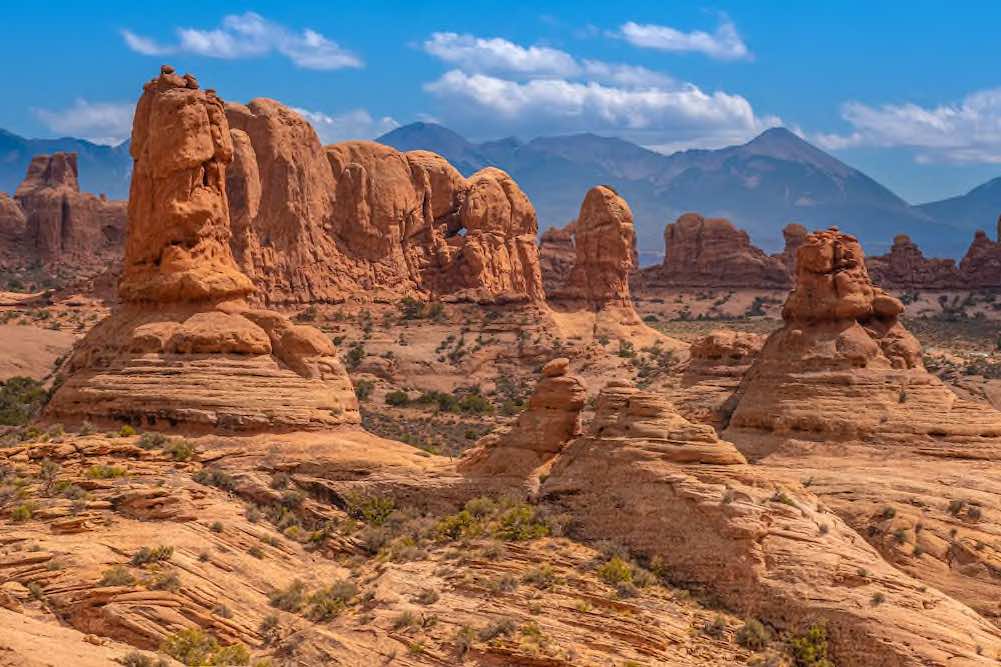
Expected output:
(784, 144)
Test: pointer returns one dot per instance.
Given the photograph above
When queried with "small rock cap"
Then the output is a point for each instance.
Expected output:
(556, 367)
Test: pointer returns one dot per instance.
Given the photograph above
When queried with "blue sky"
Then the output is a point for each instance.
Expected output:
(907, 92)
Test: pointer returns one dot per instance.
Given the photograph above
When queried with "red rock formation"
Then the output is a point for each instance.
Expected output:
(605, 247)
(323, 224)
(50, 222)
(702, 252)
(906, 267)
(794, 235)
(183, 348)
(841, 331)
(549, 421)
(646, 478)
(981, 266)
(556, 256)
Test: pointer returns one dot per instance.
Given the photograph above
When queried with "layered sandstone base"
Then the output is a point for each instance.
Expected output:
(228, 368)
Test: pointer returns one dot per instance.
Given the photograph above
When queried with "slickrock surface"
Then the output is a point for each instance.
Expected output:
(670, 490)
(839, 397)
(556, 256)
(551, 418)
(906, 267)
(50, 222)
(701, 252)
(326, 224)
(183, 348)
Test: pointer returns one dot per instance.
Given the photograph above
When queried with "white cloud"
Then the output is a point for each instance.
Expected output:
(681, 115)
(354, 124)
(101, 122)
(479, 54)
(250, 35)
(723, 44)
(968, 131)
(495, 55)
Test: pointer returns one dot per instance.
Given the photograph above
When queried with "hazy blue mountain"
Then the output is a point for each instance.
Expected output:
(102, 168)
(761, 186)
(977, 209)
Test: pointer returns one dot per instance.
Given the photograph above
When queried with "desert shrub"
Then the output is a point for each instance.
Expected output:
(327, 603)
(21, 398)
(520, 522)
(616, 571)
(117, 575)
(152, 555)
(427, 596)
(363, 389)
(371, 509)
(194, 647)
(166, 581)
(126, 431)
(269, 629)
(137, 659)
(715, 628)
(540, 577)
(499, 628)
(152, 440)
(104, 471)
(753, 635)
(22, 512)
(810, 648)
(216, 527)
(215, 477)
(180, 450)
(397, 398)
(354, 356)
(289, 599)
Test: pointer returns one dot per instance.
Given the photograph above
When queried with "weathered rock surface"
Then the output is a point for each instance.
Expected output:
(556, 256)
(605, 251)
(50, 222)
(794, 235)
(839, 394)
(906, 267)
(701, 252)
(183, 348)
(550, 420)
(648, 479)
(325, 224)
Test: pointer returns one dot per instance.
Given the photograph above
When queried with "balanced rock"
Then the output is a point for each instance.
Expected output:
(50, 222)
(701, 252)
(671, 491)
(551, 418)
(844, 365)
(906, 267)
(183, 348)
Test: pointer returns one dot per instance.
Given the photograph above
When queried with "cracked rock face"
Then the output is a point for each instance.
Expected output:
(184, 349)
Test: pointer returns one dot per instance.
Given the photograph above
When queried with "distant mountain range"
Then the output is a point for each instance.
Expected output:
(761, 186)
(102, 168)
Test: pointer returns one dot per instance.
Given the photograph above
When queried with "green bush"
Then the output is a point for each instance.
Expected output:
(152, 440)
(520, 522)
(753, 635)
(397, 398)
(195, 648)
(810, 648)
(21, 398)
(155, 555)
(616, 571)
(180, 450)
(363, 389)
(289, 599)
(126, 432)
(117, 575)
(103, 471)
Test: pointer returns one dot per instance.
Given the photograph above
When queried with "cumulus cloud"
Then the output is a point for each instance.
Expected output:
(101, 122)
(967, 131)
(250, 35)
(681, 115)
(354, 124)
(725, 43)
(495, 55)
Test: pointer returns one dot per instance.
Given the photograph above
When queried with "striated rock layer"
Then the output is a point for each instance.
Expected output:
(49, 222)
(701, 252)
(671, 491)
(839, 396)
(322, 224)
(183, 348)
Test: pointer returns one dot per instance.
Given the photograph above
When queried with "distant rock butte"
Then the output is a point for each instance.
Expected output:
(701, 252)
(49, 222)
(183, 349)
(556, 256)
(315, 223)
(905, 266)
